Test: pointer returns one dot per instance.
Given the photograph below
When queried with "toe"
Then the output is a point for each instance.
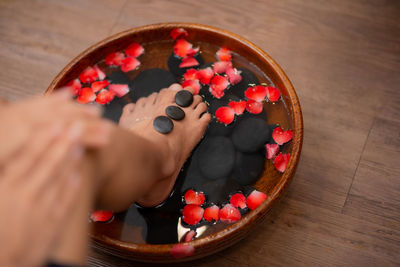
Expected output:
(175, 87)
(205, 118)
(196, 101)
(166, 96)
(190, 89)
(200, 109)
(151, 99)
(128, 108)
(141, 102)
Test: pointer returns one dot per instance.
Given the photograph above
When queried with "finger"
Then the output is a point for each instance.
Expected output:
(20, 163)
(56, 200)
(59, 152)
(97, 133)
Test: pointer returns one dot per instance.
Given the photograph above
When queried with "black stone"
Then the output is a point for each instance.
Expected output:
(215, 104)
(113, 110)
(216, 157)
(205, 93)
(150, 81)
(194, 178)
(118, 77)
(174, 62)
(248, 167)
(163, 124)
(251, 134)
(218, 191)
(175, 113)
(248, 77)
(184, 98)
(217, 128)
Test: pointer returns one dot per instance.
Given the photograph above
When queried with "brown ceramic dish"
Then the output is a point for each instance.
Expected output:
(272, 182)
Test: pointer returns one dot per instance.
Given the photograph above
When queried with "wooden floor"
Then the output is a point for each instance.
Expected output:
(343, 57)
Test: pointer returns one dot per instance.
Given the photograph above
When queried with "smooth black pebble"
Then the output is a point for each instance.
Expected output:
(216, 157)
(248, 77)
(248, 167)
(217, 128)
(118, 77)
(251, 134)
(113, 110)
(218, 191)
(150, 81)
(163, 124)
(175, 113)
(184, 98)
(174, 62)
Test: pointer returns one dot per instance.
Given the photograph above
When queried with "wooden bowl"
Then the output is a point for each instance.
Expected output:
(272, 182)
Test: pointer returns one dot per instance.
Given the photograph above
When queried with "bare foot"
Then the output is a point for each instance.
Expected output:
(175, 146)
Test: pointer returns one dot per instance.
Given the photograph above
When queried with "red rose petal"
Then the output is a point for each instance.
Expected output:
(273, 94)
(271, 150)
(224, 54)
(74, 86)
(193, 197)
(280, 136)
(119, 89)
(101, 75)
(254, 107)
(255, 199)
(97, 86)
(188, 62)
(211, 214)
(115, 59)
(256, 93)
(189, 236)
(129, 63)
(238, 200)
(191, 74)
(194, 84)
(281, 161)
(205, 75)
(192, 214)
(229, 214)
(233, 75)
(134, 50)
(219, 83)
(217, 94)
(101, 215)
(183, 48)
(220, 67)
(179, 251)
(105, 96)
(225, 115)
(86, 95)
(178, 32)
(238, 107)
(88, 75)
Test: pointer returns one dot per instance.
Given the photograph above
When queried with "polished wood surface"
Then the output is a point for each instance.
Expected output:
(343, 57)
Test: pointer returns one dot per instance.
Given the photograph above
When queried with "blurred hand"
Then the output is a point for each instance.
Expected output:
(21, 119)
(38, 185)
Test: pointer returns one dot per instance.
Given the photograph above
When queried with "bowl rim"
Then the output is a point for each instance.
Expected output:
(278, 189)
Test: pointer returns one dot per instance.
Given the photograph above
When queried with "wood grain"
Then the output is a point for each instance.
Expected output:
(343, 58)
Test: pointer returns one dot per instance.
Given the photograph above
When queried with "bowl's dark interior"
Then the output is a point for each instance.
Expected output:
(122, 239)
